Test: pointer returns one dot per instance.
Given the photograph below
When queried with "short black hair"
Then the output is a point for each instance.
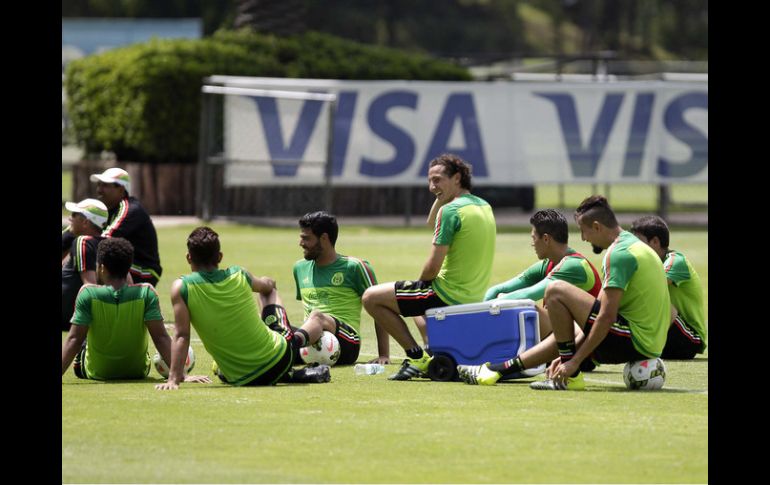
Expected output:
(203, 246)
(116, 254)
(596, 208)
(652, 226)
(549, 221)
(321, 222)
(453, 164)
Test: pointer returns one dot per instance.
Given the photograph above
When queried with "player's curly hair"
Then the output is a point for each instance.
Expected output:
(453, 164)
(596, 208)
(203, 246)
(549, 221)
(116, 254)
(321, 222)
(650, 227)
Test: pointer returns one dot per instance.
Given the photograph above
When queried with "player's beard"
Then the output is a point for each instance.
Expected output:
(596, 249)
(312, 253)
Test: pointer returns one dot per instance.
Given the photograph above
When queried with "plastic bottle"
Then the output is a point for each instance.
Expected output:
(369, 369)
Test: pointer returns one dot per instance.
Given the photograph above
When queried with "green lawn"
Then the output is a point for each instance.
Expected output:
(366, 429)
(623, 197)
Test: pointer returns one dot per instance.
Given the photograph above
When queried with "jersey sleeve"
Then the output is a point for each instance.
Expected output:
(447, 225)
(152, 305)
(676, 268)
(364, 275)
(534, 292)
(82, 315)
(619, 267)
(526, 278)
(83, 254)
(570, 270)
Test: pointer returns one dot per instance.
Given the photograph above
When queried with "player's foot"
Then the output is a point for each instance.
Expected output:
(412, 368)
(573, 384)
(313, 373)
(478, 374)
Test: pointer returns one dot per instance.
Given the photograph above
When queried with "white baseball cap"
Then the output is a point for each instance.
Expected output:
(113, 175)
(92, 209)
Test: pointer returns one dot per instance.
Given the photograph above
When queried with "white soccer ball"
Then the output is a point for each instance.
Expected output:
(645, 374)
(325, 351)
(163, 369)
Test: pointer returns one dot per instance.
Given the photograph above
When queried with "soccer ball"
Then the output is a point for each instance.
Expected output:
(163, 369)
(325, 351)
(645, 374)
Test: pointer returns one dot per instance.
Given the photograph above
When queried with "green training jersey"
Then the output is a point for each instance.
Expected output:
(116, 346)
(635, 268)
(531, 283)
(467, 226)
(686, 292)
(334, 289)
(226, 317)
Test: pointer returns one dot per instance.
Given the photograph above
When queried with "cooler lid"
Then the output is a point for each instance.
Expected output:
(484, 306)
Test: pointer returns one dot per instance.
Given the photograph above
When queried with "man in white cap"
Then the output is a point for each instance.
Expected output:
(129, 220)
(87, 221)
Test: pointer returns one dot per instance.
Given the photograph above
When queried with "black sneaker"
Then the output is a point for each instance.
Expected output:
(313, 373)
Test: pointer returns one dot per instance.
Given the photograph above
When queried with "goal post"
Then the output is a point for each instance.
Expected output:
(244, 132)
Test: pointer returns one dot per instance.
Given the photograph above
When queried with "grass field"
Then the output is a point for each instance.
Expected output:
(624, 197)
(366, 429)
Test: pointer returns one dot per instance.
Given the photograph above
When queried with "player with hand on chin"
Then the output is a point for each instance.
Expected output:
(458, 267)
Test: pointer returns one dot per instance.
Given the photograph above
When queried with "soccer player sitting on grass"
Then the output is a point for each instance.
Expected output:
(116, 317)
(86, 223)
(457, 270)
(219, 304)
(687, 333)
(627, 322)
(558, 261)
(330, 285)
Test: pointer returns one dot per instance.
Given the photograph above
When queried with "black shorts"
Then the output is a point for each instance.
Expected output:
(617, 347)
(277, 320)
(276, 372)
(415, 297)
(682, 342)
(79, 364)
(350, 343)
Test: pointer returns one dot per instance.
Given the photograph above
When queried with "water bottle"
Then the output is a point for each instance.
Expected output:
(369, 369)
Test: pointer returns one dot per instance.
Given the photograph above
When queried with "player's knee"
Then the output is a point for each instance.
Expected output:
(554, 291)
(321, 321)
(369, 297)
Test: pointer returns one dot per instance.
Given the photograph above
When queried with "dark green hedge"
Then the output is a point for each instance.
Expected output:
(143, 101)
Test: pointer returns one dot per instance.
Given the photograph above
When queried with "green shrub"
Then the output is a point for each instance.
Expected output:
(142, 102)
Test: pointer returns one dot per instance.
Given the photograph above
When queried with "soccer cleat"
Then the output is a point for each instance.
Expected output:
(412, 368)
(478, 374)
(312, 374)
(573, 384)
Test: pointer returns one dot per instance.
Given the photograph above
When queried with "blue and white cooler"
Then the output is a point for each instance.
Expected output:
(475, 333)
